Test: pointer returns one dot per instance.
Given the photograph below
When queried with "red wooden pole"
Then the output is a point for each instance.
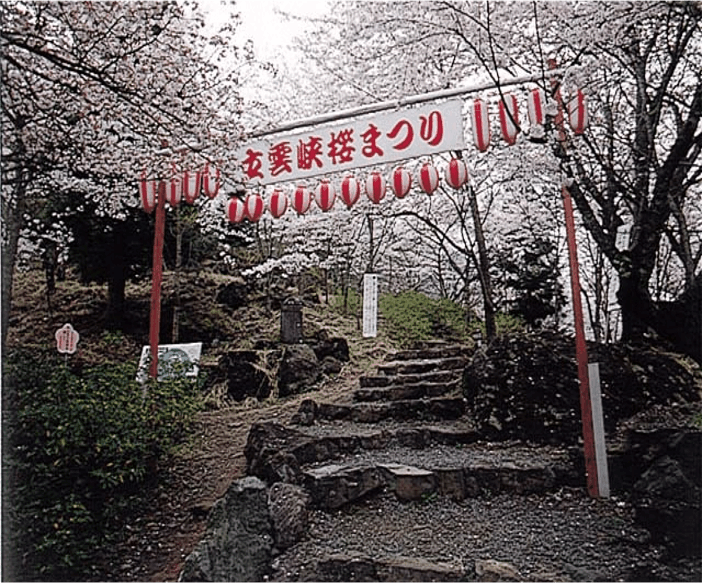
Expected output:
(581, 350)
(580, 344)
(156, 278)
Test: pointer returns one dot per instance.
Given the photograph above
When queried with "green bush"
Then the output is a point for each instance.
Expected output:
(411, 317)
(354, 302)
(82, 444)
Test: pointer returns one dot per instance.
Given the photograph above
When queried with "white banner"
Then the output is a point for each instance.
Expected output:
(370, 305)
(386, 137)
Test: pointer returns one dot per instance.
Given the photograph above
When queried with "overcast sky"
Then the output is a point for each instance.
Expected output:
(270, 31)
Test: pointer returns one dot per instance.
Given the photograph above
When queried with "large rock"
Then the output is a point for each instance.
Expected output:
(337, 348)
(667, 497)
(245, 375)
(239, 539)
(299, 370)
(526, 386)
(289, 506)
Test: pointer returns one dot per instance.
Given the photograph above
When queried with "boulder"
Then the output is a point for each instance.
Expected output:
(667, 498)
(289, 507)
(492, 570)
(299, 370)
(238, 543)
(330, 365)
(324, 346)
(245, 375)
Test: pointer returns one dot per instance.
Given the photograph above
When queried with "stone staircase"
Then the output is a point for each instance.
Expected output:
(395, 483)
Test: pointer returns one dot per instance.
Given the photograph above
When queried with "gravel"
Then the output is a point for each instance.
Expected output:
(565, 536)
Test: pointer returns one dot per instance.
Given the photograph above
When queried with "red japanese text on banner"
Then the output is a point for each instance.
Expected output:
(368, 141)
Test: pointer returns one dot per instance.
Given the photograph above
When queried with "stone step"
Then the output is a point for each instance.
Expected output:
(435, 353)
(563, 536)
(383, 380)
(407, 409)
(473, 471)
(356, 567)
(421, 366)
(405, 392)
(276, 453)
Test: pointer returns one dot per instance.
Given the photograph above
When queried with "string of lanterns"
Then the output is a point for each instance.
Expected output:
(187, 186)
(325, 195)
(181, 187)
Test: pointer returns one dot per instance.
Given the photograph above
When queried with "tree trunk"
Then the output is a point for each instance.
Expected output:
(116, 282)
(12, 219)
(483, 268)
(678, 322)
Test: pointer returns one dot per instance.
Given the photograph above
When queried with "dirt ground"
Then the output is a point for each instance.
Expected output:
(157, 543)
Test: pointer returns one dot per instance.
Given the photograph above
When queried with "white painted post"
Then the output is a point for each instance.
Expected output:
(598, 429)
(370, 305)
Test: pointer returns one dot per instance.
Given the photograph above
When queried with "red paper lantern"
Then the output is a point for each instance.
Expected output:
(148, 190)
(350, 190)
(254, 207)
(174, 191)
(325, 195)
(428, 178)
(278, 204)
(191, 186)
(577, 112)
(211, 181)
(456, 173)
(481, 124)
(509, 118)
(302, 198)
(375, 187)
(401, 182)
(236, 210)
(535, 106)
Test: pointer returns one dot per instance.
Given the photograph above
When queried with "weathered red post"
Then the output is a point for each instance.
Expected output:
(580, 344)
(157, 277)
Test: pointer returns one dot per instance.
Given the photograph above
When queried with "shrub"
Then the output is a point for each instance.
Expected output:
(354, 302)
(83, 442)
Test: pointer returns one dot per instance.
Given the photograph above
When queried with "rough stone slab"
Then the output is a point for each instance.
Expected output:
(288, 505)
(333, 486)
(405, 391)
(390, 393)
(421, 366)
(426, 353)
(491, 570)
(436, 408)
(384, 380)
(356, 567)
(409, 482)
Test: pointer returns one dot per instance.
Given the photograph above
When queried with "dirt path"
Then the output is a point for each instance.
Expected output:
(156, 544)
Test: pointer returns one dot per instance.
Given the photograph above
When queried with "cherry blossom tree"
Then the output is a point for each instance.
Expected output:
(638, 163)
(95, 92)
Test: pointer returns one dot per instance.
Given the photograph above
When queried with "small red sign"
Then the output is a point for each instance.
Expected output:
(67, 339)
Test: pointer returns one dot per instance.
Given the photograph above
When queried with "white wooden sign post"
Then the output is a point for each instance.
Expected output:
(370, 305)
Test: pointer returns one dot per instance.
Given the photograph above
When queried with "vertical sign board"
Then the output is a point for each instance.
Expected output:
(370, 305)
